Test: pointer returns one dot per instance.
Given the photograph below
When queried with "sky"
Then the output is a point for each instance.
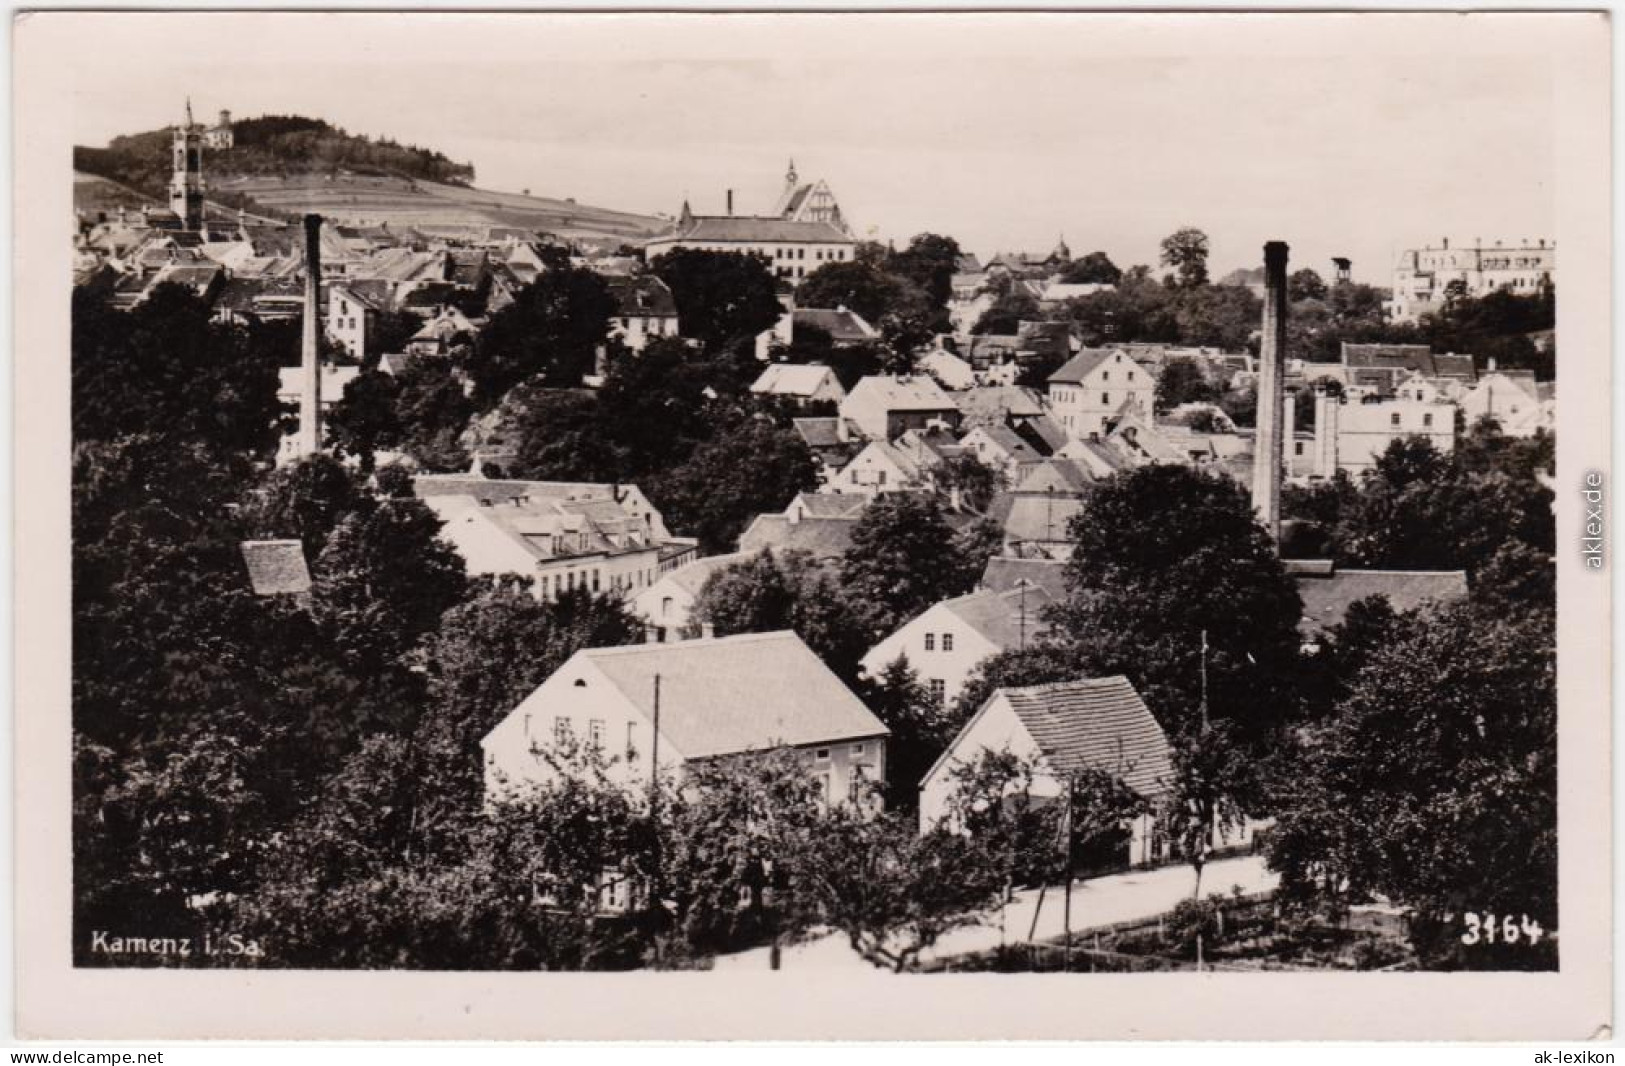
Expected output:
(1341, 135)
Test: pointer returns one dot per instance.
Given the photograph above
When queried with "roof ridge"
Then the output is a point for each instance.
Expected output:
(698, 642)
(1075, 683)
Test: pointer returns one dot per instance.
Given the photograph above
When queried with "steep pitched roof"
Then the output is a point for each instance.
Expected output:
(843, 326)
(1039, 519)
(888, 392)
(645, 296)
(822, 538)
(276, 567)
(818, 432)
(727, 695)
(830, 504)
(1008, 619)
(1326, 599)
(1069, 477)
(1004, 574)
(996, 404)
(1095, 723)
(1080, 366)
(794, 379)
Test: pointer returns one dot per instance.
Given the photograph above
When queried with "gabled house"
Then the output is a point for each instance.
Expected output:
(1096, 388)
(646, 310)
(667, 606)
(824, 539)
(825, 505)
(883, 407)
(1004, 573)
(947, 369)
(440, 332)
(717, 697)
(1001, 448)
(950, 639)
(353, 308)
(880, 467)
(1512, 398)
(1097, 724)
(800, 383)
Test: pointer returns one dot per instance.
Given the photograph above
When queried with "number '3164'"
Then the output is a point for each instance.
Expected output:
(1488, 928)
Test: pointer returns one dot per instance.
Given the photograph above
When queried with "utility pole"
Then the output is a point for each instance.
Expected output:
(1066, 842)
(655, 888)
(1021, 641)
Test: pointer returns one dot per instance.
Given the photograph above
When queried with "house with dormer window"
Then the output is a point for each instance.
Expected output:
(1097, 387)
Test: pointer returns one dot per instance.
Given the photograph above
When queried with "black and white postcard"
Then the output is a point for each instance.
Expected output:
(867, 526)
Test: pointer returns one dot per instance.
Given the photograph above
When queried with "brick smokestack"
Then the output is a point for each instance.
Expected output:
(310, 400)
(1267, 444)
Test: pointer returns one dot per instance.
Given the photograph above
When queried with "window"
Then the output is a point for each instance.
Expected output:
(1393, 419)
(1105, 397)
(595, 732)
(527, 725)
(857, 749)
(947, 642)
(821, 754)
(665, 606)
(561, 730)
(1427, 420)
(880, 479)
(939, 690)
(595, 580)
(930, 642)
(1106, 375)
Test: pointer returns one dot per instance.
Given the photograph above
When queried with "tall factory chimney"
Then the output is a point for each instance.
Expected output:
(310, 400)
(1267, 444)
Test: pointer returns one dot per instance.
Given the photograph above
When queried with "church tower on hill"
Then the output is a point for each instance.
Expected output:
(186, 183)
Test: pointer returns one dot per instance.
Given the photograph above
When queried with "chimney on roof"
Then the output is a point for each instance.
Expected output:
(310, 400)
(1267, 444)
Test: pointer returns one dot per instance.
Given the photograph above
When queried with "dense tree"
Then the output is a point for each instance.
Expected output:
(365, 418)
(1216, 316)
(1419, 509)
(894, 892)
(432, 408)
(1305, 284)
(921, 730)
(166, 368)
(723, 298)
(383, 580)
(1012, 305)
(786, 591)
(561, 436)
(1096, 268)
(930, 262)
(1185, 251)
(1183, 381)
(1169, 567)
(752, 467)
(1434, 785)
(388, 333)
(304, 501)
(904, 557)
(552, 330)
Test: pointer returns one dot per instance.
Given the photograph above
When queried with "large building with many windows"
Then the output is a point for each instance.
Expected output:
(1422, 275)
(805, 231)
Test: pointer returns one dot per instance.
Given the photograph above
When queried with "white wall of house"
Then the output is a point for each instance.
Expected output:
(636, 331)
(1088, 406)
(871, 472)
(347, 321)
(942, 648)
(578, 701)
(1365, 430)
(995, 728)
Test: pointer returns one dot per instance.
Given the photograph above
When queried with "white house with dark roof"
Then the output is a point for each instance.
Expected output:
(646, 310)
(1097, 387)
(1065, 728)
(718, 697)
(946, 642)
(881, 467)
